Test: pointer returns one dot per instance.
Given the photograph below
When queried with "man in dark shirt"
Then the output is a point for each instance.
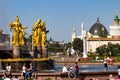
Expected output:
(76, 70)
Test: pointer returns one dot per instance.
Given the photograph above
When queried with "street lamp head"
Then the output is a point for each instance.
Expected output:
(10, 29)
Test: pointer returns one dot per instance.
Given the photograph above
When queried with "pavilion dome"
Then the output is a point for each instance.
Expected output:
(97, 28)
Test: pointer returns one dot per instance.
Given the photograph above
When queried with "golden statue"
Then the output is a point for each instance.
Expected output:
(18, 32)
(44, 37)
(21, 36)
(37, 33)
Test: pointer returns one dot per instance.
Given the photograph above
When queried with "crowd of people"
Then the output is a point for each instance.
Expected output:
(73, 71)
(26, 73)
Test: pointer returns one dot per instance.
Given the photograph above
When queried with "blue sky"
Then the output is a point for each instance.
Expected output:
(60, 15)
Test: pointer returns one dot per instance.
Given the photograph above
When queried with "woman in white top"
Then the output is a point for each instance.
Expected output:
(23, 70)
(8, 68)
(8, 72)
(65, 68)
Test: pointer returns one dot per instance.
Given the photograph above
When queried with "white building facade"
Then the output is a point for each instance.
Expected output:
(93, 40)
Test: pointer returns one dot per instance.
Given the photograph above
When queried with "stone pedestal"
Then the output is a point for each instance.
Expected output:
(35, 52)
(44, 52)
(39, 51)
(16, 52)
(85, 57)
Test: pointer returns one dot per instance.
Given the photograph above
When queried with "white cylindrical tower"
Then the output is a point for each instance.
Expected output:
(82, 28)
(74, 34)
(84, 36)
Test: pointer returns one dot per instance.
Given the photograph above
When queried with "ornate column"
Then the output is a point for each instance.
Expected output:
(85, 47)
(32, 47)
(84, 35)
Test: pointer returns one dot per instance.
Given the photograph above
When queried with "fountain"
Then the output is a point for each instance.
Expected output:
(18, 56)
(90, 68)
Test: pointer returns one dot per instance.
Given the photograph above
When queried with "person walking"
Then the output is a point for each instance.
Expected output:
(105, 64)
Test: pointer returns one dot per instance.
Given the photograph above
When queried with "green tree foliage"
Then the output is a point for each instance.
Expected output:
(77, 44)
(102, 50)
(68, 45)
(110, 49)
(55, 47)
(28, 43)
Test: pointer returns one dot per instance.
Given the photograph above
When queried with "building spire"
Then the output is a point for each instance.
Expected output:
(74, 29)
(116, 19)
(74, 34)
(116, 16)
(117, 12)
(98, 21)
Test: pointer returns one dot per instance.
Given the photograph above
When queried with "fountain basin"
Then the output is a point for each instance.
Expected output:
(90, 68)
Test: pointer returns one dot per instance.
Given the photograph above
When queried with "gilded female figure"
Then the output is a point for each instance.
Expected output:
(21, 35)
(44, 38)
(18, 32)
(37, 33)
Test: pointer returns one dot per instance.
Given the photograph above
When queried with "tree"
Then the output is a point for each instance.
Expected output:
(102, 50)
(55, 46)
(110, 46)
(68, 45)
(77, 44)
(28, 43)
(110, 49)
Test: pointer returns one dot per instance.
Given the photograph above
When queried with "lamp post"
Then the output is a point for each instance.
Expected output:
(32, 40)
(0, 65)
(32, 47)
(10, 38)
